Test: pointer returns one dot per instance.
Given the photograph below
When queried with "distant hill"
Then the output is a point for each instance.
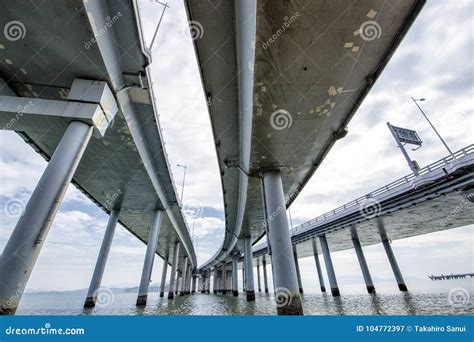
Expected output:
(152, 288)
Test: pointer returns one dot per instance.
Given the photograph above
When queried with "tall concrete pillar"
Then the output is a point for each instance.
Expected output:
(24, 245)
(258, 276)
(224, 278)
(235, 276)
(214, 283)
(149, 258)
(265, 277)
(184, 276)
(163, 276)
(208, 284)
(363, 264)
(243, 278)
(285, 278)
(329, 266)
(193, 288)
(101, 260)
(318, 266)
(297, 265)
(190, 277)
(391, 256)
(250, 289)
(174, 271)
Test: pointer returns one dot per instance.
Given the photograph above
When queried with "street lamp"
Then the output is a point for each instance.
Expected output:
(184, 178)
(434, 129)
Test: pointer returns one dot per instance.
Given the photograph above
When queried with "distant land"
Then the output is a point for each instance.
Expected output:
(152, 288)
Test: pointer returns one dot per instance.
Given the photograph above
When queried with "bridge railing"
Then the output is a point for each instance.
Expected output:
(376, 193)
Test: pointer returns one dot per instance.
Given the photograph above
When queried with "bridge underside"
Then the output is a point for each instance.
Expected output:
(79, 43)
(313, 68)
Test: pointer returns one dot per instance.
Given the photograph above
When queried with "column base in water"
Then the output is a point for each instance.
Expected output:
(335, 291)
(371, 289)
(323, 288)
(402, 287)
(250, 296)
(141, 300)
(289, 306)
(235, 293)
(89, 303)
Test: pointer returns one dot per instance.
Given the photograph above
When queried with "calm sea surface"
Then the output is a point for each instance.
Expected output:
(210, 304)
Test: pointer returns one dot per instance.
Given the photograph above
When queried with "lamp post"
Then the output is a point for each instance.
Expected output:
(434, 129)
(184, 179)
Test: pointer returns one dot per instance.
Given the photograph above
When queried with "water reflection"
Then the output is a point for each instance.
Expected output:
(209, 304)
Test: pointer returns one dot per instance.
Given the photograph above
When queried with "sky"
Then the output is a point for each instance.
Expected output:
(434, 61)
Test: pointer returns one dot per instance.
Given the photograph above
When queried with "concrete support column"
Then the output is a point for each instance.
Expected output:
(174, 271)
(329, 266)
(149, 258)
(250, 289)
(190, 279)
(391, 256)
(24, 245)
(265, 277)
(224, 278)
(193, 287)
(184, 276)
(318, 266)
(393, 263)
(243, 278)
(163, 276)
(214, 283)
(363, 264)
(285, 278)
(258, 276)
(297, 265)
(208, 283)
(101, 260)
(235, 276)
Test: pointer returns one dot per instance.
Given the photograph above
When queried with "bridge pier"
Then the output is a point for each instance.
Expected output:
(318, 266)
(297, 265)
(208, 282)
(25, 243)
(188, 280)
(285, 278)
(243, 279)
(329, 266)
(363, 264)
(149, 258)
(224, 278)
(265, 277)
(249, 288)
(235, 275)
(391, 256)
(101, 260)
(214, 283)
(163, 276)
(184, 277)
(258, 276)
(193, 288)
(174, 271)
